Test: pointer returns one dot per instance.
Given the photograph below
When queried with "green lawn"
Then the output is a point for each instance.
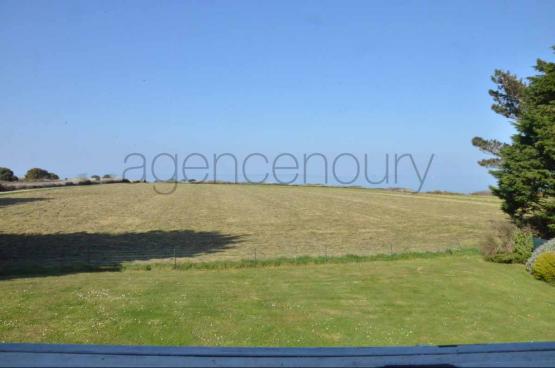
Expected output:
(439, 300)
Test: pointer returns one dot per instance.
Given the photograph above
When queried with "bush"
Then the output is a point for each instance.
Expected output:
(548, 246)
(95, 177)
(523, 245)
(544, 267)
(506, 243)
(498, 241)
(40, 174)
(7, 175)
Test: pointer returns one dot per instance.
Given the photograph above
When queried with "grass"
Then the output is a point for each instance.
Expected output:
(302, 260)
(430, 300)
(259, 265)
(130, 222)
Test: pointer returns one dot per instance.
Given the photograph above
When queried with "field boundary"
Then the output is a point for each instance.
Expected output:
(295, 261)
(235, 264)
(463, 197)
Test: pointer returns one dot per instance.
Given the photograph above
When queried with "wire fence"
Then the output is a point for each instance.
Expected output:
(73, 252)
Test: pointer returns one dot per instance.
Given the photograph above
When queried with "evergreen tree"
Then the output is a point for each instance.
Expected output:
(525, 169)
(507, 99)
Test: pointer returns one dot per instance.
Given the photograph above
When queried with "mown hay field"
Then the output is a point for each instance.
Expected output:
(131, 222)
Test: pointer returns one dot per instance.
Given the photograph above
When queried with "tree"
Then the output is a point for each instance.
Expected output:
(40, 174)
(506, 102)
(95, 177)
(525, 169)
(7, 174)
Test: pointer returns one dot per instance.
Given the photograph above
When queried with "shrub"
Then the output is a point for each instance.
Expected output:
(548, 246)
(497, 241)
(506, 243)
(544, 267)
(40, 174)
(523, 242)
(7, 175)
(95, 177)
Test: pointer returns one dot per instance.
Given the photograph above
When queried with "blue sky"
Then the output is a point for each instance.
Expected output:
(85, 83)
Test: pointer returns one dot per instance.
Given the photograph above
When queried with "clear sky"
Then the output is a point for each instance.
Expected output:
(82, 84)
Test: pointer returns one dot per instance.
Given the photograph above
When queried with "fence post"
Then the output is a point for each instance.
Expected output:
(391, 249)
(62, 256)
(255, 255)
(88, 255)
(174, 259)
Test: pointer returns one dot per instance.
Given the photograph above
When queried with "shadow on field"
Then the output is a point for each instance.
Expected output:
(76, 252)
(6, 201)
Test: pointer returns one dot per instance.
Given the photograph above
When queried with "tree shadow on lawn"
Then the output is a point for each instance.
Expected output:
(48, 254)
(7, 201)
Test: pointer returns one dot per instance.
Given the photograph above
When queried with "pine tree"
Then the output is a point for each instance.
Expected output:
(525, 169)
(507, 99)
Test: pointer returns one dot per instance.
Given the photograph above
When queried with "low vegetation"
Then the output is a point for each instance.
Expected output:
(43, 184)
(546, 247)
(544, 267)
(263, 265)
(284, 261)
(436, 300)
(506, 243)
(233, 222)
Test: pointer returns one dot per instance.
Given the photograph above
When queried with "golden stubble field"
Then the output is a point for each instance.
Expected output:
(231, 222)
